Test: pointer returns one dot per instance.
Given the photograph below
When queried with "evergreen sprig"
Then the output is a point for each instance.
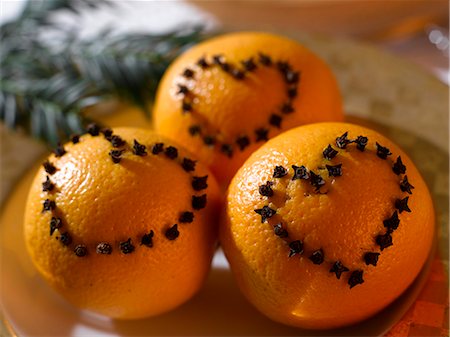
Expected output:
(46, 84)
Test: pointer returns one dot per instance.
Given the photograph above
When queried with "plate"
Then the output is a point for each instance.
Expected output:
(380, 91)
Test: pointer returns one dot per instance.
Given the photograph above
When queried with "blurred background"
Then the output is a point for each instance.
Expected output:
(414, 29)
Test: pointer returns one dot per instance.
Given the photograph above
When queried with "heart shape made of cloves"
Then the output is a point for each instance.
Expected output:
(318, 185)
(119, 149)
(245, 70)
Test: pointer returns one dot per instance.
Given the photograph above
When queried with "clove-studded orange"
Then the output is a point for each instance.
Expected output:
(225, 97)
(122, 222)
(326, 224)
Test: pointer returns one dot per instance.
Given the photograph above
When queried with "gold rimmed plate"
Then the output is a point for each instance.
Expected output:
(380, 91)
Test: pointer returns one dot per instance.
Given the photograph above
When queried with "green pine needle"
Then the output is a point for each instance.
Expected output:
(44, 88)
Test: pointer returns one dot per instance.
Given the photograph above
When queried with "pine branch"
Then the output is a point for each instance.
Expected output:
(45, 87)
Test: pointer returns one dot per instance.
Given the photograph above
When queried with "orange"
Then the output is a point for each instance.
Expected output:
(224, 97)
(129, 239)
(334, 239)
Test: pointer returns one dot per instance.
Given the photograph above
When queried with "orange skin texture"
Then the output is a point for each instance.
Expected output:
(104, 202)
(239, 107)
(343, 222)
